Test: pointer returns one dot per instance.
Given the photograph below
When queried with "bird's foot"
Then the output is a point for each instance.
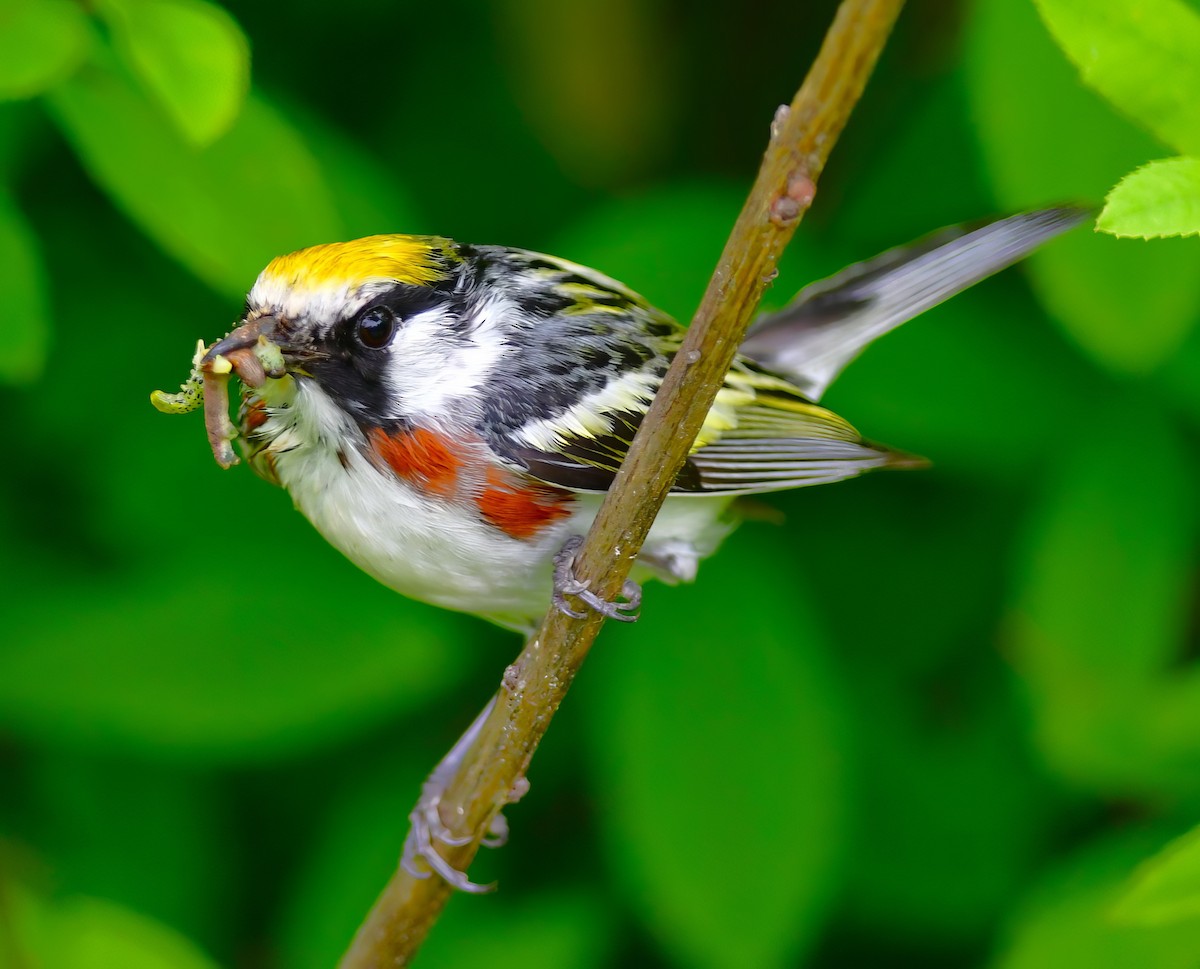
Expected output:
(427, 831)
(623, 609)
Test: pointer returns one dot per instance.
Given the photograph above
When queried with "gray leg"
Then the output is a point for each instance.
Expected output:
(427, 827)
(566, 584)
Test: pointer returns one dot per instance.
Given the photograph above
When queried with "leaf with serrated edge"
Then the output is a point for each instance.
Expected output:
(1159, 199)
(1048, 138)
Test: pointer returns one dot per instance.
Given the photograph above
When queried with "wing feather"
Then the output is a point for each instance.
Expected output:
(761, 434)
(765, 436)
(832, 320)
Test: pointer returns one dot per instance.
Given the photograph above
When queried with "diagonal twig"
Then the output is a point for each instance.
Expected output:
(535, 684)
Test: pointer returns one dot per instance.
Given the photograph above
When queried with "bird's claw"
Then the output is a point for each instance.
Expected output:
(427, 830)
(420, 857)
(624, 609)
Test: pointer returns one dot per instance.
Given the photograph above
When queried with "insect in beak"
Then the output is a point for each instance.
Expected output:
(241, 352)
(249, 352)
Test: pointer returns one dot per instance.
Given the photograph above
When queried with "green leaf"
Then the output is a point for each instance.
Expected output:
(1101, 602)
(25, 323)
(1166, 888)
(92, 933)
(189, 665)
(41, 43)
(1143, 55)
(1046, 138)
(1066, 921)
(190, 55)
(223, 211)
(96, 934)
(718, 762)
(1160, 199)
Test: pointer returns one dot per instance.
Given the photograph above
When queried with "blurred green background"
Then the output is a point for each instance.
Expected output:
(935, 719)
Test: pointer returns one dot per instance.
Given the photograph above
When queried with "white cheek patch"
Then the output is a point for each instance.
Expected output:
(431, 366)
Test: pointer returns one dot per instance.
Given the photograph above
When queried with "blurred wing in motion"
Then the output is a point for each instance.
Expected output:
(811, 340)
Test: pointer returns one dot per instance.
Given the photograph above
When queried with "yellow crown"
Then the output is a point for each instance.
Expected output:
(415, 260)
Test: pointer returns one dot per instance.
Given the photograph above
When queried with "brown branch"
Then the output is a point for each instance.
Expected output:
(534, 686)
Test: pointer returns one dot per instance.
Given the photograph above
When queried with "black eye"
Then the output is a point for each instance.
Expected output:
(375, 327)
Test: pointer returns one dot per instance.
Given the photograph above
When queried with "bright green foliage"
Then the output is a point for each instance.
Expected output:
(1067, 920)
(192, 202)
(1166, 888)
(906, 726)
(1048, 139)
(90, 933)
(1142, 55)
(190, 55)
(41, 42)
(95, 934)
(1159, 199)
(207, 696)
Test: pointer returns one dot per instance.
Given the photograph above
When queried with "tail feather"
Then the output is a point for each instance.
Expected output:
(811, 340)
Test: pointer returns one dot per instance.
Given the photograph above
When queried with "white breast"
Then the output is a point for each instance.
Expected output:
(438, 551)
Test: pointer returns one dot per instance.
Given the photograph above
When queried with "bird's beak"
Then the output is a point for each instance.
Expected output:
(250, 351)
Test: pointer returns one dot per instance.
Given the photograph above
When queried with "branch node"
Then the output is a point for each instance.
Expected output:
(787, 208)
(801, 187)
(781, 115)
(785, 211)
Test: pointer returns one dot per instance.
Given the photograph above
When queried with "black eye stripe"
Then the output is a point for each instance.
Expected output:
(357, 373)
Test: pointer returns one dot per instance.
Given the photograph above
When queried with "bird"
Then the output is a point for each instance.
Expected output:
(449, 416)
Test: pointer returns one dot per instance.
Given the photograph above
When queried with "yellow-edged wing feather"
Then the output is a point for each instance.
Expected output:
(761, 434)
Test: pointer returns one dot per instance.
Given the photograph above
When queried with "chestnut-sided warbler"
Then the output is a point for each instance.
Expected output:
(449, 415)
